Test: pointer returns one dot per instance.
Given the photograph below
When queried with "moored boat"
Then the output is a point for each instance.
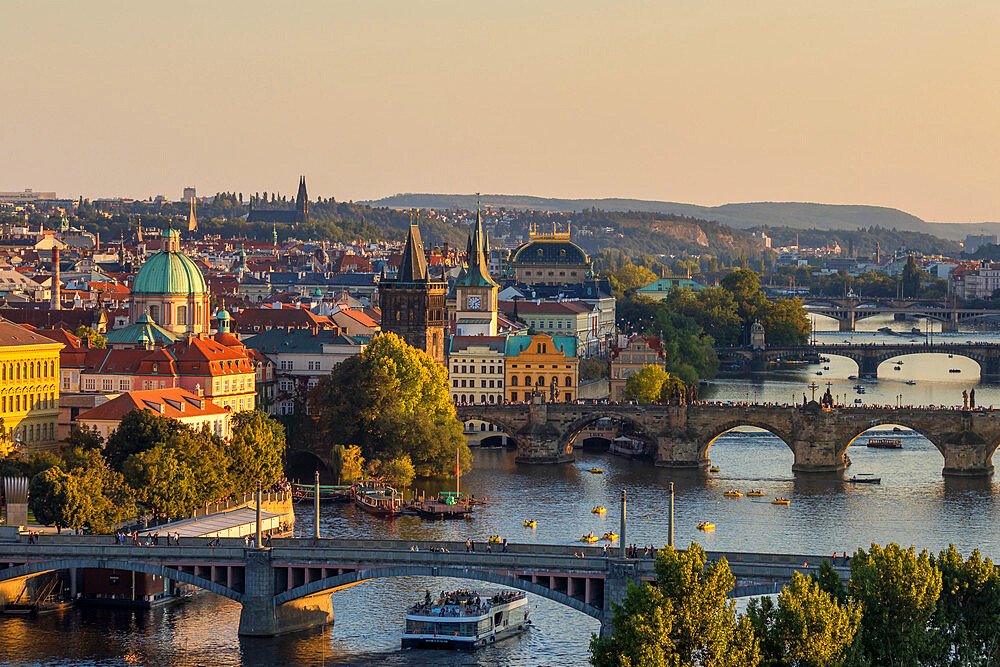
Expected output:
(885, 443)
(378, 498)
(465, 620)
(328, 493)
(447, 505)
(865, 478)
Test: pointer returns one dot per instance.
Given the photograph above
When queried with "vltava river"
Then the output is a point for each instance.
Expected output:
(913, 505)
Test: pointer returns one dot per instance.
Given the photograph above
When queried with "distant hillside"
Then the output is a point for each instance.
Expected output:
(798, 215)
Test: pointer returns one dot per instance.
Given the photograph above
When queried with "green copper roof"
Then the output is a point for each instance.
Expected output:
(169, 273)
(144, 330)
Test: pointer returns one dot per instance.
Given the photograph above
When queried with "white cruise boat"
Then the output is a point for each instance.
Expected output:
(465, 620)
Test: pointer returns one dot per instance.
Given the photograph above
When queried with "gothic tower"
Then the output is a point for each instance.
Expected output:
(413, 305)
(475, 291)
(301, 202)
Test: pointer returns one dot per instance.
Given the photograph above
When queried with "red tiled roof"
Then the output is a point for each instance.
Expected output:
(176, 403)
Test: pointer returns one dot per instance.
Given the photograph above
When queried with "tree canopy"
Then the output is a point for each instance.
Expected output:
(391, 401)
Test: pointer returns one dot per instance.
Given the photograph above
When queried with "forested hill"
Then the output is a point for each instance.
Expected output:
(799, 215)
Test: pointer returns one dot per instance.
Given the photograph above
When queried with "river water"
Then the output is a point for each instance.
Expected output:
(913, 505)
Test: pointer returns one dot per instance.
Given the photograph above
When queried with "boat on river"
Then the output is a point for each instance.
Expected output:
(378, 498)
(781, 501)
(865, 478)
(328, 493)
(885, 443)
(447, 505)
(623, 446)
(466, 620)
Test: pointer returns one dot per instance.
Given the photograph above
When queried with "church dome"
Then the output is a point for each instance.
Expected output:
(549, 251)
(169, 272)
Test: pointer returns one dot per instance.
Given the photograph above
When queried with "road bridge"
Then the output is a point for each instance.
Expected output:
(868, 356)
(847, 311)
(681, 435)
(288, 586)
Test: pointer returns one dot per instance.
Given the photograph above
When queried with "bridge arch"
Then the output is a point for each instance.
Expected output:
(978, 359)
(726, 427)
(504, 426)
(38, 567)
(574, 427)
(475, 574)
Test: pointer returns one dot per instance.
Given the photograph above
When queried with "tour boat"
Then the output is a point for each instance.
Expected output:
(611, 536)
(589, 537)
(781, 501)
(629, 447)
(756, 493)
(378, 498)
(328, 493)
(704, 525)
(465, 620)
(733, 493)
(865, 478)
(885, 443)
(600, 509)
(529, 524)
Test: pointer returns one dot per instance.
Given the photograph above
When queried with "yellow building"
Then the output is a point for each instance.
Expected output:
(29, 387)
(541, 363)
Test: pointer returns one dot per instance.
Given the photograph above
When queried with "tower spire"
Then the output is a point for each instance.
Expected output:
(193, 216)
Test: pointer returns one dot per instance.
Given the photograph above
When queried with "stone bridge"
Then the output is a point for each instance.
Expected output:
(869, 356)
(288, 586)
(682, 435)
(847, 311)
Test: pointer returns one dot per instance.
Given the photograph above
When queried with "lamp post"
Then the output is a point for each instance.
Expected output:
(258, 514)
(316, 504)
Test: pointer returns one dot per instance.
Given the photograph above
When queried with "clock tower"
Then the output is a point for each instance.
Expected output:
(476, 293)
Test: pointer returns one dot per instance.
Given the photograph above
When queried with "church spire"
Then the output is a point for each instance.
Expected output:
(193, 217)
(302, 202)
(413, 266)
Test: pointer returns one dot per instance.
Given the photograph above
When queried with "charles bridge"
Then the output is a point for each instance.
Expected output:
(681, 435)
(868, 356)
(289, 586)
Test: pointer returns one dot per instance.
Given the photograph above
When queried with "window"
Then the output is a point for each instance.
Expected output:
(513, 380)
(182, 314)
(154, 314)
(90, 384)
(483, 370)
(499, 383)
(513, 395)
(286, 385)
(569, 381)
(107, 384)
(286, 365)
(313, 365)
(124, 384)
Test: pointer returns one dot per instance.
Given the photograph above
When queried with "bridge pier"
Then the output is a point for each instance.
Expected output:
(967, 454)
(616, 581)
(846, 324)
(262, 617)
(811, 457)
(541, 441)
(675, 452)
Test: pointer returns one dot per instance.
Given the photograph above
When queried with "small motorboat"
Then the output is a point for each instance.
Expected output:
(826, 368)
(911, 382)
(857, 400)
(600, 509)
(954, 370)
(713, 469)
(852, 377)
(596, 471)
(529, 523)
(610, 536)
(819, 372)
(781, 501)
(755, 493)
(704, 525)
(896, 368)
(865, 479)
(951, 356)
(733, 493)
(589, 537)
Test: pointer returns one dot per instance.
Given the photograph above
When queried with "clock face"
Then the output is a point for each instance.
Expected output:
(475, 303)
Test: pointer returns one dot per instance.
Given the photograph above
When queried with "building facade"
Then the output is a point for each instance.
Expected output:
(476, 293)
(29, 387)
(476, 369)
(549, 259)
(637, 351)
(544, 364)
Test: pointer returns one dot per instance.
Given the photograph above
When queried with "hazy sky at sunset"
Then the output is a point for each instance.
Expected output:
(890, 102)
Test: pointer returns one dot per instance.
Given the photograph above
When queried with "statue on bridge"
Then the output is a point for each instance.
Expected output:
(965, 399)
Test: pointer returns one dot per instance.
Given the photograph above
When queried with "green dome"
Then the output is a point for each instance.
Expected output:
(169, 273)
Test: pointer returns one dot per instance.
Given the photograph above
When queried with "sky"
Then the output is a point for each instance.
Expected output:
(884, 102)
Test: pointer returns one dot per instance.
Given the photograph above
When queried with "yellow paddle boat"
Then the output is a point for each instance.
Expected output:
(733, 493)
(495, 538)
(600, 509)
(590, 537)
(704, 525)
(609, 536)
(781, 501)
(529, 524)
(756, 493)
(596, 471)
(713, 469)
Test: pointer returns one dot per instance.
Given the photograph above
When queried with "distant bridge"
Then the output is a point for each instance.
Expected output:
(682, 434)
(868, 356)
(287, 587)
(847, 311)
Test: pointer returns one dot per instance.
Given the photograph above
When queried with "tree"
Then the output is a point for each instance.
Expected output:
(84, 437)
(93, 338)
(829, 581)
(104, 498)
(645, 384)
(348, 464)
(398, 471)
(897, 591)
(593, 368)
(392, 400)
(641, 634)
(967, 618)
(257, 450)
(807, 628)
(54, 499)
(138, 431)
(910, 279)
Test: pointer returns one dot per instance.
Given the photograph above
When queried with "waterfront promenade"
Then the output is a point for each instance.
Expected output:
(287, 586)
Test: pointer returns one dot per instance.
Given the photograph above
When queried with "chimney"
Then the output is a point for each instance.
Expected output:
(56, 301)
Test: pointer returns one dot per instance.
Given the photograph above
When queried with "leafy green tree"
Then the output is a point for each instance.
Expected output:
(398, 471)
(910, 278)
(829, 581)
(348, 464)
(807, 628)
(138, 431)
(92, 337)
(257, 450)
(628, 278)
(392, 400)
(593, 368)
(967, 618)
(163, 484)
(84, 437)
(645, 384)
(897, 591)
(641, 632)
(54, 499)
(104, 497)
